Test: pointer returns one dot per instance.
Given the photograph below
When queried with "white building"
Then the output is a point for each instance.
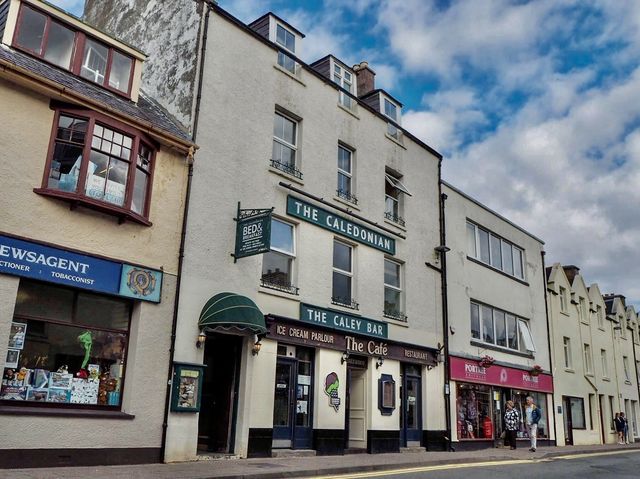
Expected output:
(347, 358)
(593, 339)
(497, 325)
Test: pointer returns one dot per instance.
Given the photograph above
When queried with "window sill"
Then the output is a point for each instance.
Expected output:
(606, 379)
(289, 74)
(63, 412)
(397, 322)
(346, 203)
(586, 323)
(396, 225)
(626, 381)
(75, 201)
(565, 313)
(286, 175)
(589, 375)
(395, 140)
(492, 268)
(349, 110)
(279, 294)
(493, 347)
(569, 370)
(601, 328)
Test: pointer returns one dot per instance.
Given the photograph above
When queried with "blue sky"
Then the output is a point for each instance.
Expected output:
(532, 103)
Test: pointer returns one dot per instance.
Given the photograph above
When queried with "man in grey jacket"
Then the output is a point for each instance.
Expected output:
(533, 415)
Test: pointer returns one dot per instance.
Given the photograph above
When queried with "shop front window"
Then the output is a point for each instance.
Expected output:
(519, 399)
(473, 407)
(66, 347)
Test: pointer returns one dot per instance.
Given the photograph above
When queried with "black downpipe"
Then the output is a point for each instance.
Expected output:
(445, 311)
(546, 311)
(183, 236)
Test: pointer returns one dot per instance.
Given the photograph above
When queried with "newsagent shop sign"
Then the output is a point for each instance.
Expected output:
(55, 265)
(332, 222)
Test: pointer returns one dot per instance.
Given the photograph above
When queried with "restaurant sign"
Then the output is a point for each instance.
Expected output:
(342, 321)
(337, 224)
(302, 335)
(469, 370)
(55, 265)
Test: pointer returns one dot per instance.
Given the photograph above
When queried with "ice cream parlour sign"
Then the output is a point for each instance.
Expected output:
(55, 265)
(294, 333)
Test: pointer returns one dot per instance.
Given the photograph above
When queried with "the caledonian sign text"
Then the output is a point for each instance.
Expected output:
(332, 222)
(342, 321)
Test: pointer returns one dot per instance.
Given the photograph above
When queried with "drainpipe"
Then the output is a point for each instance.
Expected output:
(183, 235)
(445, 313)
(546, 312)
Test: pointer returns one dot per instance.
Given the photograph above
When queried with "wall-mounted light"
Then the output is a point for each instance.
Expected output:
(379, 362)
(256, 347)
(429, 367)
(344, 357)
(442, 249)
(202, 337)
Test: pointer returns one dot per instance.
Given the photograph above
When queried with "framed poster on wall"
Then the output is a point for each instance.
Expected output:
(186, 387)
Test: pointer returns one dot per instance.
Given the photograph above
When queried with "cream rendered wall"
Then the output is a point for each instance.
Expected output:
(25, 131)
(375, 420)
(82, 229)
(235, 136)
(324, 415)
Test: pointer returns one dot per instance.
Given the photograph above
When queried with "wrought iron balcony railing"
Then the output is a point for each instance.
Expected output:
(279, 286)
(345, 195)
(345, 302)
(395, 218)
(287, 168)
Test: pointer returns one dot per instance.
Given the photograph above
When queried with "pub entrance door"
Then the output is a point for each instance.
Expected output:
(356, 403)
(219, 393)
(411, 406)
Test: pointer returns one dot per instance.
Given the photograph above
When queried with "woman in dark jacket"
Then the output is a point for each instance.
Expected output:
(511, 422)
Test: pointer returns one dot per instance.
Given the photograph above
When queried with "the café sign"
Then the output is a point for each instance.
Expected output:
(342, 321)
(337, 224)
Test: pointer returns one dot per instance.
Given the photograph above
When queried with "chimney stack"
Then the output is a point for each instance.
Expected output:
(571, 271)
(365, 77)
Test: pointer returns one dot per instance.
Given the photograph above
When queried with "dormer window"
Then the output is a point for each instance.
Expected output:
(40, 35)
(287, 40)
(391, 111)
(344, 78)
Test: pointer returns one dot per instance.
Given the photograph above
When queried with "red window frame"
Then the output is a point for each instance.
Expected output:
(78, 49)
(124, 212)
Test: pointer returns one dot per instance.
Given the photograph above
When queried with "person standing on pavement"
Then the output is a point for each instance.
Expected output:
(511, 422)
(532, 418)
(625, 428)
(618, 422)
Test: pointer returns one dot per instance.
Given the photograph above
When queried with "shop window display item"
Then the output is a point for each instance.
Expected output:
(70, 347)
(473, 412)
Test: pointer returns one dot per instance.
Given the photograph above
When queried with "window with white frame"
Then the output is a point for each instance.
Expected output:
(494, 251)
(393, 290)
(345, 188)
(562, 292)
(625, 365)
(390, 110)
(494, 326)
(342, 291)
(600, 317)
(604, 362)
(393, 198)
(588, 363)
(566, 342)
(287, 40)
(277, 264)
(344, 78)
(285, 145)
(584, 312)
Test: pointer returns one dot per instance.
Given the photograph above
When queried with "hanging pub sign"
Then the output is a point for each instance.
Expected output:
(337, 224)
(253, 232)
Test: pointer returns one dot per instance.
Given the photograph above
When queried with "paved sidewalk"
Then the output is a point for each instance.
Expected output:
(290, 467)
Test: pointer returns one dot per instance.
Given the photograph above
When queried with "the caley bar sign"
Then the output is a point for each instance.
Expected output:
(342, 321)
(332, 222)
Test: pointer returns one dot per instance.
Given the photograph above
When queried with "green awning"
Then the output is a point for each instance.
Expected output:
(232, 313)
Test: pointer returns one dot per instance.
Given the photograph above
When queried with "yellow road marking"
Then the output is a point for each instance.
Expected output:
(444, 467)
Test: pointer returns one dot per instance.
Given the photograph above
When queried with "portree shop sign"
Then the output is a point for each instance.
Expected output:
(332, 222)
(253, 232)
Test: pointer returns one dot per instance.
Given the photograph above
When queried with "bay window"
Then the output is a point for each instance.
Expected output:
(40, 35)
(497, 327)
(98, 163)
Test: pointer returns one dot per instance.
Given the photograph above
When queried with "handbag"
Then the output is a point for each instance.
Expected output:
(503, 434)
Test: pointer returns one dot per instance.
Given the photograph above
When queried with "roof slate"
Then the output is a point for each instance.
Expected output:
(145, 110)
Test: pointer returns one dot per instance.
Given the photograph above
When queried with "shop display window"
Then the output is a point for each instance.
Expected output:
(519, 399)
(473, 412)
(67, 347)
